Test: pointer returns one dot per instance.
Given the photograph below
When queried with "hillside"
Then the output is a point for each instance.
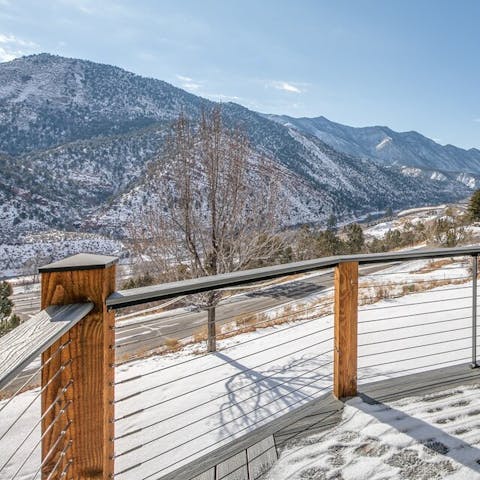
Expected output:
(76, 136)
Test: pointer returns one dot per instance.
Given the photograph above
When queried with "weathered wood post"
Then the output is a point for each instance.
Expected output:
(211, 330)
(77, 431)
(345, 342)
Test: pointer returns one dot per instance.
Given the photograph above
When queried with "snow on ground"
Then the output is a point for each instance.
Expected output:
(33, 250)
(187, 404)
(431, 437)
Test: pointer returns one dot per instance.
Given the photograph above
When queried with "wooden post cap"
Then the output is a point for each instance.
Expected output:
(81, 261)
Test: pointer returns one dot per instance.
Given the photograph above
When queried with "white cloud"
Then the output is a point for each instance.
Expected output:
(477, 119)
(12, 47)
(188, 83)
(87, 7)
(183, 78)
(285, 86)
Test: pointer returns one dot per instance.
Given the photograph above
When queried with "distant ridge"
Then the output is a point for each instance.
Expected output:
(76, 136)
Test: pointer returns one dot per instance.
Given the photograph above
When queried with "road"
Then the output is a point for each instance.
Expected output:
(144, 334)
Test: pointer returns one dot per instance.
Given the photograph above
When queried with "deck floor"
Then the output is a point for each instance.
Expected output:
(326, 412)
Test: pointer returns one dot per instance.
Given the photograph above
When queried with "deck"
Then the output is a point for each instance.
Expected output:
(237, 461)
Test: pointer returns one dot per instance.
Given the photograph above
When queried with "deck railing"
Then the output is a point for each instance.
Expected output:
(88, 396)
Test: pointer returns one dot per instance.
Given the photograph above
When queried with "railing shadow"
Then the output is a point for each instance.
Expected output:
(265, 395)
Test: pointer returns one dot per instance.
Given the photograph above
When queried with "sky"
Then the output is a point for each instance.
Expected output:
(407, 64)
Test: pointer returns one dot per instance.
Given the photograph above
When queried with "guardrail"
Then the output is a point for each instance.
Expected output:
(104, 416)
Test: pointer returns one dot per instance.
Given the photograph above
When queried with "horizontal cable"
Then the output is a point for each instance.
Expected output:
(382, 319)
(142, 337)
(224, 395)
(196, 389)
(414, 346)
(151, 309)
(221, 364)
(427, 334)
(308, 309)
(137, 447)
(416, 325)
(184, 314)
(398, 360)
(36, 372)
(45, 413)
(414, 282)
(422, 292)
(282, 329)
(412, 368)
(50, 380)
(416, 272)
(409, 304)
(203, 434)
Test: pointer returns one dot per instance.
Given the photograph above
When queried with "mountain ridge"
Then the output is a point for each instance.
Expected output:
(77, 136)
(409, 148)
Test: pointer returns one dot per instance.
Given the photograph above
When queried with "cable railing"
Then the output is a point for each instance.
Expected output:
(170, 385)
(27, 415)
(266, 362)
(415, 320)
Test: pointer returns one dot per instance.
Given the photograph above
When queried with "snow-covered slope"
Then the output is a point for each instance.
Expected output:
(76, 136)
(387, 146)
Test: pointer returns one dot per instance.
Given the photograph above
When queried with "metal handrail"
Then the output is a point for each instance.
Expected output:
(137, 296)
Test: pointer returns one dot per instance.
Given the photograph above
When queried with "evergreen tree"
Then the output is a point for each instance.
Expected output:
(355, 238)
(389, 212)
(332, 222)
(7, 320)
(329, 244)
(474, 206)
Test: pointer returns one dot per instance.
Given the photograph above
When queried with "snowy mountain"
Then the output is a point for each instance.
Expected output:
(386, 146)
(76, 136)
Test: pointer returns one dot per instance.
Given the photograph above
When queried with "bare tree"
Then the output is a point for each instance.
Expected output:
(216, 208)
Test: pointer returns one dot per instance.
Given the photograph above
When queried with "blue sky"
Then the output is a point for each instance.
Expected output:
(408, 64)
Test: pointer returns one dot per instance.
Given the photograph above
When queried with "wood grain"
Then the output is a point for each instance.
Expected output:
(23, 344)
(87, 368)
(346, 318)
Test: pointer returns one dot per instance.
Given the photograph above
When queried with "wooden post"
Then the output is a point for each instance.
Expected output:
(211, 331)
(345, 343)
(78, 431)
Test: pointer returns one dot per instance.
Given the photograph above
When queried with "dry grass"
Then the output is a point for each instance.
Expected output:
(436, 265)
(172, 344)
(381, 292)
(201, 334)
(7, 393)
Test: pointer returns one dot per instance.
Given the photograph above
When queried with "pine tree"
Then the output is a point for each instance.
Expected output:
(355, 238)
(332, 222)
(474, 206)
(7, 320)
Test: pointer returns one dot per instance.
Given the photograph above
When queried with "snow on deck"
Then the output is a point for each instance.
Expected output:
(432, 437)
